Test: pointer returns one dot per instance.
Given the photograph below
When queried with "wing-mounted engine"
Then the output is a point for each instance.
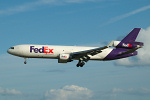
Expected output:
(64, 58)
(128, 45)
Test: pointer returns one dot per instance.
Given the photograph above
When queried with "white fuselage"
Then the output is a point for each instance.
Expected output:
(53, 52)
(125, 48)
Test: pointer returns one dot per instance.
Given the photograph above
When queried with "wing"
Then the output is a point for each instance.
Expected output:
(92, 52)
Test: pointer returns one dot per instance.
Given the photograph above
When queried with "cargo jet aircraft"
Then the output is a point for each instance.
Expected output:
(122, 49)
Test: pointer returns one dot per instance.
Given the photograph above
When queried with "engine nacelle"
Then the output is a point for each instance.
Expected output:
(64, 58)
(115, 43)
(119, 44)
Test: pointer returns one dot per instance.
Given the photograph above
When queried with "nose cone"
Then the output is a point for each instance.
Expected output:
(9, 51)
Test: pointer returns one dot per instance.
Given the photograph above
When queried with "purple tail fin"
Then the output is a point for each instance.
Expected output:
(131, 37)
(129, 41)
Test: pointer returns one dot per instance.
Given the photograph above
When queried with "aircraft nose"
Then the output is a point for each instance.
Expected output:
(9, 51)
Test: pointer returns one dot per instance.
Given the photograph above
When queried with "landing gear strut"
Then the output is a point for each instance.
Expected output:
(25, 62)
(80, 63)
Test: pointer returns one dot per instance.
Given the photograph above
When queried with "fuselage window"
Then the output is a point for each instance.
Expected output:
(11, 47)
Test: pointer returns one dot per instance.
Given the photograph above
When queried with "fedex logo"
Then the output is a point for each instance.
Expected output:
(41, 50)
(64, 56)
(126, 45)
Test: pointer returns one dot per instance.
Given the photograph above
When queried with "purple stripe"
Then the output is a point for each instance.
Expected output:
(113, 54)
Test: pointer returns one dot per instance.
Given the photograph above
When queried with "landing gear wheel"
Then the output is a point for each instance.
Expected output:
(80, 63)
(77, 65)
(25, 62)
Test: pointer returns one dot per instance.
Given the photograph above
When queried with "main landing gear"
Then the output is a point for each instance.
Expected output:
(25, 62)
(80, 63)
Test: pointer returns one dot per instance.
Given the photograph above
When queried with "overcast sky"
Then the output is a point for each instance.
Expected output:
(73, 22)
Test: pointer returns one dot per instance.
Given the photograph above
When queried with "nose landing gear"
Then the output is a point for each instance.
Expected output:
(25, 62)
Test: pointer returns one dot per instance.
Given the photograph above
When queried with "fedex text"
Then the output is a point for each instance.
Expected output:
(44, 49)
(126, 45)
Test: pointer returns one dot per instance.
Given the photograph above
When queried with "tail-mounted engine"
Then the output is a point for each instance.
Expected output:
(129, 45)
(64, 58)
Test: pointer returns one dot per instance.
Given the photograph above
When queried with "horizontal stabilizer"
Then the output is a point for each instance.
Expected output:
(129, 51)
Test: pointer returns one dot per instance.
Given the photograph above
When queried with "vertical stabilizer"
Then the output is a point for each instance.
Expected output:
(129, 40)
(131, 37)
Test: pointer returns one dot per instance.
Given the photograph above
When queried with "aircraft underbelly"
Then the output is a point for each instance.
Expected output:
(38, 55)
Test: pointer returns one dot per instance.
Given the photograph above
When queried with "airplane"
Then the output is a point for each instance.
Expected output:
(114, 50)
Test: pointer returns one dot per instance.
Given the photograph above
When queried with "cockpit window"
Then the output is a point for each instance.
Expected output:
(11, 47)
